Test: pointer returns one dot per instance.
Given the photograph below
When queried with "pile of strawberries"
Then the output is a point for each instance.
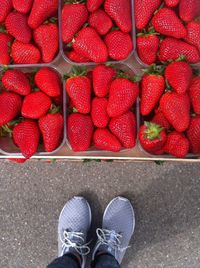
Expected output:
(167, 30)
(170, 106)
(101, 103)
(28, 110)
(97, 30)
(28, 33)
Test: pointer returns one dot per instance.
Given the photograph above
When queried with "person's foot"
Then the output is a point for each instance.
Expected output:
(74, 224)
(117, 229)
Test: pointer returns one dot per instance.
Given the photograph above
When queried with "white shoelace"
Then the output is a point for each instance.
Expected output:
(79, 246)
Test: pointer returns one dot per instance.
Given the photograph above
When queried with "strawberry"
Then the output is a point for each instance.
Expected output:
(144, 11)
(74, 56)
(100, 21)
(10, 106)
(147, 47)
(172, 49)
(176, 108)
(153, 86)
(119, 45)
(123, 94)
(16, 81)
(193, 33)
(193, 134)
(166, 22)
(171, 3)
(177, 144)
(79, 129)
(103, 139)
(46, 38)
(161, 120)
(18, 160)
(79, 90)
(152, 137)
(51, 127)
(6, 7)
(120, 12)
(124, 128)
(189, 9)
(17, 26)
(179, 76)
(102, 78)
(25, 53)
(73, 18)
(89, 44)
(93, 5)
(5, 43)
(26, 136)
(48, 81)
(22, 6)
(35, 105)
(99, 114)
(42, 10)
(194, 92)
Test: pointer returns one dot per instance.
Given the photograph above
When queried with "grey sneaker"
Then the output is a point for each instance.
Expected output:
(74, 224)
(117, 229)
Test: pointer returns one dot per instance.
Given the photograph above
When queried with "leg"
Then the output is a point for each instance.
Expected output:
(105, 261)
(66, 261)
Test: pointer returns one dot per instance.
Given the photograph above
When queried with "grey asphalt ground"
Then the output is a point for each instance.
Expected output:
(166, 200)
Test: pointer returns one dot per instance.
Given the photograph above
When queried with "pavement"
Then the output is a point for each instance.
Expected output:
(166, 199)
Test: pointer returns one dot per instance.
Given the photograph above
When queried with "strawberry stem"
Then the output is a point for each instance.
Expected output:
(152, 130)
(54, 109)
(76, 71)
(122, 74)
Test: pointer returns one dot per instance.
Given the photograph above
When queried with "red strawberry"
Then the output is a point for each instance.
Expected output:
(179, 76)
(42, 10)
(120, 12)
(102, 78)
(100, 21)
(16, 81)
(18, 160)
(73, 18)
(152, 137)
(189, 9)
(124, 128)
(5, 44)
(123, 94)
(26, 136)
(103, 139)
(89, 44)
(172, 49)
(194, 92)
(153, 86)
(177, 144)
(17, 26)
(79, 129)
(48, 81)
(193, 33)
(119, 45)
(22, 6)
(51, 127)
(25, 53)
(144, 11)
(74, 56)
(176, 108)
(193, 134)
(99, 114)
(167, 23)
(35, 105)
(79, 90)
(147, 47)
(161, 120)
(10, 106)
(46, 38)
(93, 5)
(6, 7)
(171, 3)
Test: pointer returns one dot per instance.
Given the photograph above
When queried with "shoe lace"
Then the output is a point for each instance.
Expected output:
(110, 238)
(79, 246)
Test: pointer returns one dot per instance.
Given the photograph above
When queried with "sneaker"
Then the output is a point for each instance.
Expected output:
(117, 229)
(74, 224)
